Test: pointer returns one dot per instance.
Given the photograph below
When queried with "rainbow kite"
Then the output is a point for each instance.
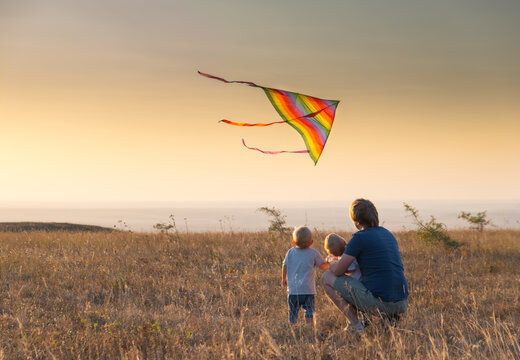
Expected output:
(310, 116)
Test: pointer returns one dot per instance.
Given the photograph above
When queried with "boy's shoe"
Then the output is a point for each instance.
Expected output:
(356, 329)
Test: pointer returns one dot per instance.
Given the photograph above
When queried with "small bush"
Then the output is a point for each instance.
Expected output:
(277, 220)
(477, 221)
(431, 232)
(169, 228)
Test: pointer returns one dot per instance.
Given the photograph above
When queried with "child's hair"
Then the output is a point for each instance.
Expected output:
(335, 244)
(364, 212)
(302, 237)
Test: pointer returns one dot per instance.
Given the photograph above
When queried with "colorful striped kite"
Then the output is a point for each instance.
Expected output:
(310, 116)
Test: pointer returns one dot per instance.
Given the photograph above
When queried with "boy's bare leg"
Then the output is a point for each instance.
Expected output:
(350, 313)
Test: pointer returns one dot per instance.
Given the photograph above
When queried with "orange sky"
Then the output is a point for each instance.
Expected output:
(101, 101)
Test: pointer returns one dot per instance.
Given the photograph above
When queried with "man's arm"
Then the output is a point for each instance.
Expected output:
(340, 267)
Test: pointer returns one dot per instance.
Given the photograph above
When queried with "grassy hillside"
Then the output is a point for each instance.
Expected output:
(49, 226)
(210, 296)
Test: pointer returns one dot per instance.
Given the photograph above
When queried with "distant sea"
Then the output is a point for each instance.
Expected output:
(243, 216)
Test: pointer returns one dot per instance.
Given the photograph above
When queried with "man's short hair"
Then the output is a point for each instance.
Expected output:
(335, 244)
(364, 212)
(302, 237)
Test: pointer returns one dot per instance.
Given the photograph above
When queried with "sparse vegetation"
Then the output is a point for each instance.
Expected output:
(124, 295)
(122, 226)
(169, 228)
(277, 220)
(478, 221)
(431, 232)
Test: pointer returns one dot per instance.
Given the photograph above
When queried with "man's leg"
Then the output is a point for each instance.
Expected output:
(348, 310)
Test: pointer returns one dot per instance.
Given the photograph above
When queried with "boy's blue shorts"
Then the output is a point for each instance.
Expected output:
(297, 301)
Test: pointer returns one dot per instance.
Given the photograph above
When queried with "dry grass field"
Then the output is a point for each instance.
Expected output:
(124, 295)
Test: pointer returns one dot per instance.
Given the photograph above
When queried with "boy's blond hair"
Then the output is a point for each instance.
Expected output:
(364, 212)
(302, 237)
(335, 244)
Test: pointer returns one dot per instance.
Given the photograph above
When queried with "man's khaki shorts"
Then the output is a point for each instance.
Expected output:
(355, 293)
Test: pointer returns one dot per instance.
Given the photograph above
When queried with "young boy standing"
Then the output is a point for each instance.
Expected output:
(298, 274)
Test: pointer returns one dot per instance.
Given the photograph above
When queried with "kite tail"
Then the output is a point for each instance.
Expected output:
(275, 152)
(226, 81)
(256, 124)
(272, 123)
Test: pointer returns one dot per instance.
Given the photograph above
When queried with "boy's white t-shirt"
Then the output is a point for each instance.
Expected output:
(301, 264)
(353, 270)
(356, 271)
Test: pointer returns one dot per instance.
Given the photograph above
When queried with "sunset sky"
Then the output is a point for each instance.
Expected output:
(101, 100)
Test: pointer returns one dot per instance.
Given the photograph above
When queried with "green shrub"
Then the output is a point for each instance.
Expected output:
(276, 221)
(432, 232)
(477, 221)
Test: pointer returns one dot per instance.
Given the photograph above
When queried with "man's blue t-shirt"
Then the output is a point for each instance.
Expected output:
(377, 253)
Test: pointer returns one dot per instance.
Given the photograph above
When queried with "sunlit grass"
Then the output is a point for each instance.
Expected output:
(211, 296)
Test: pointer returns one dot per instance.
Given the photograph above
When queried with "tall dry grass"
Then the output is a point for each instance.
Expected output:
(217, 296)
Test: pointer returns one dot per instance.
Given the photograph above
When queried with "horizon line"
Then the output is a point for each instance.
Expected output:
(211, 203)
